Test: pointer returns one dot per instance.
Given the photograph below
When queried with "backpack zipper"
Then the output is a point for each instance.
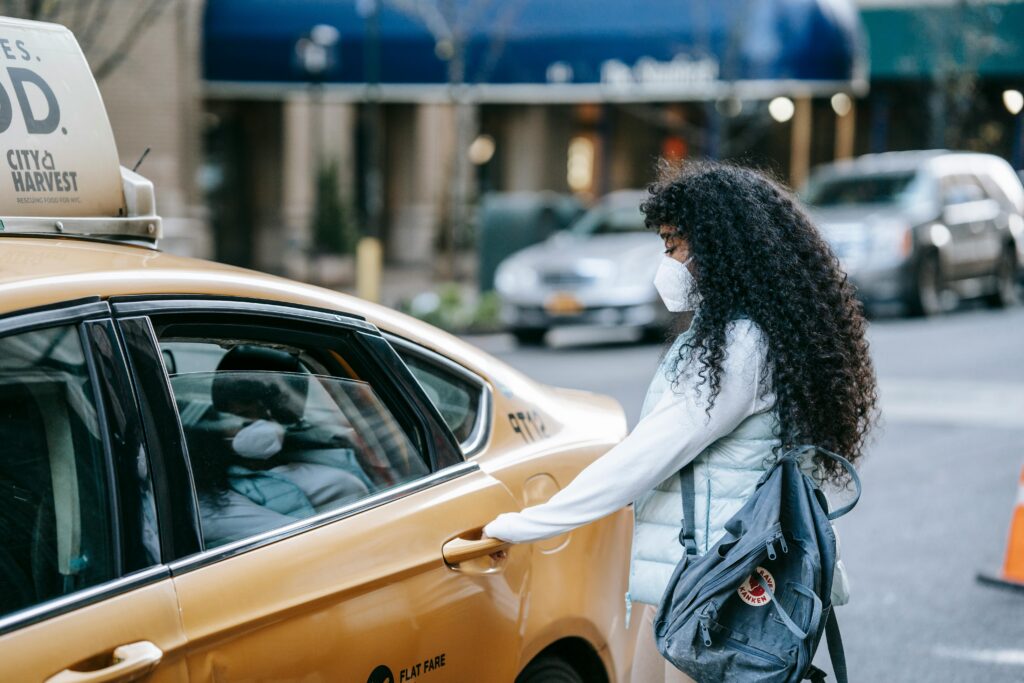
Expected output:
(754, 652)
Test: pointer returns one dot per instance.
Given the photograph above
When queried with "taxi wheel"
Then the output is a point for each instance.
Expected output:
(549, 669)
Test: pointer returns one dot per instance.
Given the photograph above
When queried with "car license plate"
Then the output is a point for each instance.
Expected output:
(562, 303)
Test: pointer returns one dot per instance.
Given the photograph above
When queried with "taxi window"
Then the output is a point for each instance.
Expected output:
(55, 521)
(275, 436)
(457, 397)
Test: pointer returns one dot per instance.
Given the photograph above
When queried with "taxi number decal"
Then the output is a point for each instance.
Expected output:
(528, 425)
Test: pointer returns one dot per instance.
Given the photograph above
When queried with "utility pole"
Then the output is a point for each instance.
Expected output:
(369, 252)
(464, 121)
(317, 57)
(800, 145)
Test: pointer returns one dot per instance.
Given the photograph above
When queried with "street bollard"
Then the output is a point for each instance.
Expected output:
(369, 261)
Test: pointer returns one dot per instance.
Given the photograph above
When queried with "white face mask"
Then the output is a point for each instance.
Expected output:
(676, 285)
(260, 440)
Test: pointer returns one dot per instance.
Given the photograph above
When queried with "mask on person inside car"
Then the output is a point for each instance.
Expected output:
(260, 440)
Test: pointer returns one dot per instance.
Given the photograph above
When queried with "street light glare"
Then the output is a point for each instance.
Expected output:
(580, 165)
(781, 109)
(841, 104)
(324, 35)
(1013, 100)
(481, 150)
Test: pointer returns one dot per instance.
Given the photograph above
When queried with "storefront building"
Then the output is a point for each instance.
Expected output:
(573, 96)
(944, 75)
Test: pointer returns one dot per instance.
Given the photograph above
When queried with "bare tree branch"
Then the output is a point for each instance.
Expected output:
(472, 15)
(499, 38)
(86, 18)
(960, 38)
(426, 12)
(34, 8)
(143, 20)
(82, 11)
(50, 9)
(99, 18)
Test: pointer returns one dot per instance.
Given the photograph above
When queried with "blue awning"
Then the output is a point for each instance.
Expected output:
(540, 50)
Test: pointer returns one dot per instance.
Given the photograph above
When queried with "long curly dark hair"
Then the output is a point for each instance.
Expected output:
(757, 255)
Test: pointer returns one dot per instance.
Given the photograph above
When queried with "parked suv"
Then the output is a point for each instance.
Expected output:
(923, 228)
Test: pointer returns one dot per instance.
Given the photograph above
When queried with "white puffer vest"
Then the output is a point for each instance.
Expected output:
(725, 475)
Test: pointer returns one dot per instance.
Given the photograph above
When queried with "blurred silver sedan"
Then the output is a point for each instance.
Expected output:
(923, 228)
(598, 272)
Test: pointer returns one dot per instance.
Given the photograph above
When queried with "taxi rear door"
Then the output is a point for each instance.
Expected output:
(362, 592)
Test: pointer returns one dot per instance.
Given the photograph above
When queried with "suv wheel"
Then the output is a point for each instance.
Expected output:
(926, 297)
(549, 669)
(1005, 293)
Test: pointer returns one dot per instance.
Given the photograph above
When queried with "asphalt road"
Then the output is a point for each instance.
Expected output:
(940, 483)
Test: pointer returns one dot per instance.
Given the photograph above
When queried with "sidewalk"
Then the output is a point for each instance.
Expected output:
(401, 282)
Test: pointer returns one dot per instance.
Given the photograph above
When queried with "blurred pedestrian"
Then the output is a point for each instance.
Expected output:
(775, 356)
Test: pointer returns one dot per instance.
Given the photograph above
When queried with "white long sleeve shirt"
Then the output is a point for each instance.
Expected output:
(669, 436)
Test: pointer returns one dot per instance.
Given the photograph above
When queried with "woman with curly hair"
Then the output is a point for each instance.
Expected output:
(775, 357)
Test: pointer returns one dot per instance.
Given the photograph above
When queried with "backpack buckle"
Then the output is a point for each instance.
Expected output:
(689, 545)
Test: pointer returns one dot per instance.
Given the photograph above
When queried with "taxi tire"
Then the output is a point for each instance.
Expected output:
(549, 669)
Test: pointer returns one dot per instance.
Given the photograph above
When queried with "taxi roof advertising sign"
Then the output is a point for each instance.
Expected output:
(57, 151)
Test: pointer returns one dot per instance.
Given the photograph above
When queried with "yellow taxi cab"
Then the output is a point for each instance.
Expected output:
(211, 474)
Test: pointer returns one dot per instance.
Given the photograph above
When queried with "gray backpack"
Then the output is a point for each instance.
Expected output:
(756, 605)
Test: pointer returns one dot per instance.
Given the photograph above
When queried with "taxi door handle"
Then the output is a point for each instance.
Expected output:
(459, 550)
(130, 662)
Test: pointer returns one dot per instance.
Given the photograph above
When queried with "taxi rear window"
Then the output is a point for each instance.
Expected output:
(276, 434)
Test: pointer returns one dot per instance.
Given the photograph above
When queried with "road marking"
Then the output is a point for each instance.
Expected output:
(1001, 657)
(979, 404)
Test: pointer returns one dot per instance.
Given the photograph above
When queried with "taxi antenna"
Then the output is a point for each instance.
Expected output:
(139, 162)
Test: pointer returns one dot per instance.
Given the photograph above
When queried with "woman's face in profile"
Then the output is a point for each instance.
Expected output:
(676, 246)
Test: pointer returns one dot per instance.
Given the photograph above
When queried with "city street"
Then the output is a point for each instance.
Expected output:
(940, 482)
(237, 237)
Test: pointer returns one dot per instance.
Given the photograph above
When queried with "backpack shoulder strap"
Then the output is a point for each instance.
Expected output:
(688, 533)
(835, 646)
